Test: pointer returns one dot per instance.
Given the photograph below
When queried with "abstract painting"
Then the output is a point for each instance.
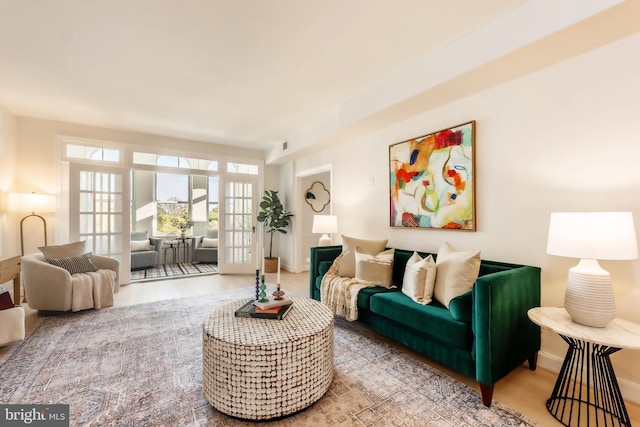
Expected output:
(431, 180)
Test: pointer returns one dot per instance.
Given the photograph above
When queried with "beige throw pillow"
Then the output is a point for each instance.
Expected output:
(141, 245)
(347, 267)
(456, 271)
(64, 251)
(209, 243)
(377, 269)
(419, 278)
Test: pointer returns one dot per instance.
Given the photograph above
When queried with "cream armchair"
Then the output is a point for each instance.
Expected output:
(51, 288)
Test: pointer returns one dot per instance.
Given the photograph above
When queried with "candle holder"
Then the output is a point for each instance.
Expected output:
(263, 294)
(278, 294)
(257, 284)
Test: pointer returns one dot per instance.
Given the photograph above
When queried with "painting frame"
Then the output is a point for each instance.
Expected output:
(432, 180)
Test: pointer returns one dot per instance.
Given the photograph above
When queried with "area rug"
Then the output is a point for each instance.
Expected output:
(172, 271)
(142, 366)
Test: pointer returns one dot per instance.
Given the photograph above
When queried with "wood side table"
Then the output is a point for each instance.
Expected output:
(587, 390)
(10, 270)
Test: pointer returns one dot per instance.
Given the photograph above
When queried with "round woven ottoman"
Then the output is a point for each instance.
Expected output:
(259, 369)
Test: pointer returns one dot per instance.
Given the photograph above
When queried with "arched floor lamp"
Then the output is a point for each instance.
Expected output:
(32, 202)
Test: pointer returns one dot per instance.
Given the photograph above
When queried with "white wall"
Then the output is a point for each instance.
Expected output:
(9, 240)
(564, 138)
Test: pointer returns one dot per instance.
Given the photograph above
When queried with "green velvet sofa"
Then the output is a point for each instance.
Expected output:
(485, 334)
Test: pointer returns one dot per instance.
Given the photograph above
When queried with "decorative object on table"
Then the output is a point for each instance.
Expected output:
(32, 202)
(278, 294)
(273, 303)
(432, 180)
(325, 225)
(591, 236)
(257, 284)
(263, 294)
(182, 223)
(250, 310)
(317, 196)
(276, 218)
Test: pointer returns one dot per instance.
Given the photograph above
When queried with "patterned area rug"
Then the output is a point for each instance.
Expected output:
(172, 271)
(142, 365)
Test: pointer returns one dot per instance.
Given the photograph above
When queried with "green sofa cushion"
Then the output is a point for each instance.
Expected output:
(433, 319)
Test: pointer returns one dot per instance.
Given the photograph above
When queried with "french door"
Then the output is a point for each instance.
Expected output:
(240, 242)
(99, 211)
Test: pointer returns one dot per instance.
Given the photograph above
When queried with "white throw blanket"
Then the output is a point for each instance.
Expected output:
(92, 290)
(341, 293)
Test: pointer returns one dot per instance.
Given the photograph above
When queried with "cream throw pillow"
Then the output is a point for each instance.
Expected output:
(209, 243)
(419, 278)
(456, 271)
(377, 269)
(64, 251)
(347, 267)
(141, 245)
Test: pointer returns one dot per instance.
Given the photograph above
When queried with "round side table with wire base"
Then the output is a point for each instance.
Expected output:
(587, 390)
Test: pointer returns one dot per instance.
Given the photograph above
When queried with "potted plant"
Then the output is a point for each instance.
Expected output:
(183, 224)
(276, 218)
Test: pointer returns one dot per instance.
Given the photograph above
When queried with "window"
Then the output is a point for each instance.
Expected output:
(213, 216)
(87, 152)
(242, 168)
(151, 159)
(172, 203)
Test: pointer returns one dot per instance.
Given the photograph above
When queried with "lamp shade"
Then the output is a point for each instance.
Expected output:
(326, 224)
(32, 202)
(592, 235)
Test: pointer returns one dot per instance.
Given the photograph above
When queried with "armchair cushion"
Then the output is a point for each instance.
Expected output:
(63, 251)
(75, 264)
(141, 245)
(209, 243)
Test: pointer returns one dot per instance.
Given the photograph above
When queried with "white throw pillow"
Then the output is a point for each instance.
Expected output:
(209, 243)
(347, 267)
(64, 251)
(141, 245)
(456, 271)
(419, 278)
(376, 269)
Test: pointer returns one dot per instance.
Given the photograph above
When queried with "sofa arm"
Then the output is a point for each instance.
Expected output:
(195, 244)
(108, 263)
(317, 255)
(504, 336)
(156, 242)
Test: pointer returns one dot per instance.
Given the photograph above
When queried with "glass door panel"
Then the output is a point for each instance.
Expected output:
(239, 217)
(97, 211)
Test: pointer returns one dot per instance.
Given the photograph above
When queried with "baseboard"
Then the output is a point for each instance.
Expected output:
(630, 390)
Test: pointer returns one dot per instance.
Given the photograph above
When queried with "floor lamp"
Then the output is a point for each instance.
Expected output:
(32, 202)
(325, 224)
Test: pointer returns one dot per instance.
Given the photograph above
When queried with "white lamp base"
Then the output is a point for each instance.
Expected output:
(589, 296)
(325, 240)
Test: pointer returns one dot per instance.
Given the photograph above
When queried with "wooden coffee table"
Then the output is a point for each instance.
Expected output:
(260, 369)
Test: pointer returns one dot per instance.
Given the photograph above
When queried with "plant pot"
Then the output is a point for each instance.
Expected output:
(270, 265)
(183, 235)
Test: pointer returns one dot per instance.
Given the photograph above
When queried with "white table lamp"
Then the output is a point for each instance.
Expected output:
(325, 224)
(591, 236)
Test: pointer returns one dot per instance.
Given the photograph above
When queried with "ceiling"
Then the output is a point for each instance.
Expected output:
(250, 73)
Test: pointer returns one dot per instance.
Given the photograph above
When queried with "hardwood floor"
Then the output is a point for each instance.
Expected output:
(523, 390)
